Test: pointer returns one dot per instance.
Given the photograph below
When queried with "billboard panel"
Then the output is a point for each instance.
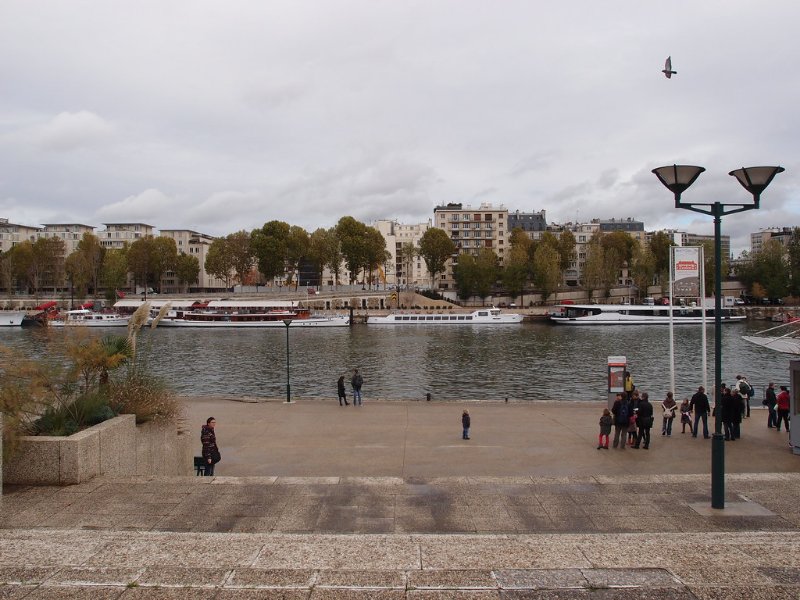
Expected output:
(686, 271)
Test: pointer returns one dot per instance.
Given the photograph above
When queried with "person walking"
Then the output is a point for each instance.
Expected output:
(465, 424)
(605, 430)
(341, 391)
(771, 402)
(208, 438)
(686, 416)
(620, 410)
(670, 407)
(357, 381)
(783, 408)
(700, 407)
(644, 418)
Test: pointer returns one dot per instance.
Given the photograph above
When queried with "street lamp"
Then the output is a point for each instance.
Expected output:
(677, 179)
(287, 322)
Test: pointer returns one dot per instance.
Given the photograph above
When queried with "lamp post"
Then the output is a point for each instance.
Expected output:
(287, 322)
(677, 179)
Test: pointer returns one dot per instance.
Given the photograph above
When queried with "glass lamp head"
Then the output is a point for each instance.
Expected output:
(678, 178)
(756, 179)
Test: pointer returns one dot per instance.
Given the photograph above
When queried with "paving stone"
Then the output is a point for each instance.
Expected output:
(264, 594)
(745, 592)
(453, 595)
(541, 579)
(207, 577)
(649, 578)
(782, 575)
(362, 579)
(451, 579)
(152, 593)
(76, 592)
(270, 578)
(25, 575)
(9, 592)
(336, 594)
(119, 576)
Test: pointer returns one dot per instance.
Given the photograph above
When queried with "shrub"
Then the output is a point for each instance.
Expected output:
(73, 415)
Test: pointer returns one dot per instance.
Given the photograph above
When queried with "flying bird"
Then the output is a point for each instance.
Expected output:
(667, 70)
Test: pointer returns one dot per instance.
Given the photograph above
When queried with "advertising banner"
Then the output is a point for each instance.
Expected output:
(686, 275)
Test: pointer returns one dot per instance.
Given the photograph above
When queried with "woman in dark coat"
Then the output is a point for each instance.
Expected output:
(728, 410)
(208, 438)
(342, 392)
(644, 418)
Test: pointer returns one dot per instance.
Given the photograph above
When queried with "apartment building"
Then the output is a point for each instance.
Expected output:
(761, 237)
(471, 230)
(70, 233)
(534, 224)
(194, 244)
(400, 271)
(12, 234)
(116, 235)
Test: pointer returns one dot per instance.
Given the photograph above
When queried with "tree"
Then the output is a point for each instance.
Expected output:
(660, 245)
(114, 272)
(352, 238)
(486, 266)
(435, 248)
(16, 265)
(566, 250)
(325, 251)
(219, 261)
(241, 254)
(77, 272)
(297, 247)
(464, 272)
(92, 254)
(708, 264)
(794, 262)
(770, 266)
(515, 271)
(163, 258)
(375, 253)
(547, 270)
(187, 269)
(643, 269)
(406, 255)
(268, 245)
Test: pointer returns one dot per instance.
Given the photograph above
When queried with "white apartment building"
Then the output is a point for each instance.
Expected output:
(12, 234)
(197, 245)
(70, 233)
(761, 237)
(396, 236)
(471, 229)
(115, 235)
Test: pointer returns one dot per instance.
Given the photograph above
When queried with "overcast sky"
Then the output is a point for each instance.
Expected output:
(220, 116)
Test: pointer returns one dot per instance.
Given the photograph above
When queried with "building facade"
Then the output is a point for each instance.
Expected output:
(471, 230)
(12, 234)
(70, 233)
(116, 235)
(401, 271)
(194, 244)
(532, 223)
(761, 237)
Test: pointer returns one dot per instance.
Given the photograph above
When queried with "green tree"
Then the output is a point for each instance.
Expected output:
(486, 270)
(659, 246)
(164, 254)
(16, 266)
(269, 246)
(241, 254)
(92, 253)
(187, 269)
(515, 272)
(464, 274)
(794, 262)
(326, 251)
(643, 269)
(771, 267)
(566, 250)
(375, 253)
(219, 261)
(352, 236)
(297, 248)
(46, 268)
(77, 272)
(547, 272)
(435, 248)
(114, 272)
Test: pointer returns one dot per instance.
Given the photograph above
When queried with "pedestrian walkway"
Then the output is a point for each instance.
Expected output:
(413, 514)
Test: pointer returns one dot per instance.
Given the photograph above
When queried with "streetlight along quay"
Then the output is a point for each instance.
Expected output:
(677, 179)
(287, 322)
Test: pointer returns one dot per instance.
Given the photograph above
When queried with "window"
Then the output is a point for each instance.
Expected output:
(487, 217)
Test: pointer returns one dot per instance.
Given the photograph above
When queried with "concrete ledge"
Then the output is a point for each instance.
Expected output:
(116, 448)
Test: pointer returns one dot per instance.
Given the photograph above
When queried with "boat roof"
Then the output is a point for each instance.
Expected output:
(184, 303)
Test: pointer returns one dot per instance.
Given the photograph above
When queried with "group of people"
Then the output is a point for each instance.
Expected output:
(631, 415)
(356, 381)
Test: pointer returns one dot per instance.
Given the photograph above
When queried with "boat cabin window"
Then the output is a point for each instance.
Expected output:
(483, 313)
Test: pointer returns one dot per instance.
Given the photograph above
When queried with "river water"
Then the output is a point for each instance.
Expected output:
(532, 361)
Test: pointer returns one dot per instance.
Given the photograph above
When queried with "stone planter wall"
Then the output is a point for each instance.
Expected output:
(115, 448)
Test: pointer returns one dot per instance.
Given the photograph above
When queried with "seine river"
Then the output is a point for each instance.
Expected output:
(532, 361)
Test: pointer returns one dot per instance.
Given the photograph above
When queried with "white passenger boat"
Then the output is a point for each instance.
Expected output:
(788, 343)
(246, 313)
(84, 317)
(635, 314)
(485, 316)
(11, 318)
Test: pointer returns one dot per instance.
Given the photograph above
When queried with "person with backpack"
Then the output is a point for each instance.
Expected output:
(669, 407)
(357, 381)
(621, 412)
(746, 392)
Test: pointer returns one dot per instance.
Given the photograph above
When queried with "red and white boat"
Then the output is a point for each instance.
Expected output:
(244, 313)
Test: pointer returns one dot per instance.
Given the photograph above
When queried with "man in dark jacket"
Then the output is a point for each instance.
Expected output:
(728, 413)
(700, 407)
(621, 412)
(770, 401)
(644, 418)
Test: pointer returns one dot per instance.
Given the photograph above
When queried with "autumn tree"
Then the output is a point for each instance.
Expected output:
(547, 269)
(352, 237)
(326, 251)
(794, 262)
(114, 272)
(659, 245)
(297, 248)
(187, 269)
(436, 247)
(241, 254)
(219, 261)
(486, 270)
(269, 246)
(464, 272)
(375, 253)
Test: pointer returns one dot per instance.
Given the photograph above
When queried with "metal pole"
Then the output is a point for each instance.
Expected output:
(288, 387)
(717, 440)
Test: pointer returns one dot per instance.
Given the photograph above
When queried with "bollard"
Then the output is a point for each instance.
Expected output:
(428, 396)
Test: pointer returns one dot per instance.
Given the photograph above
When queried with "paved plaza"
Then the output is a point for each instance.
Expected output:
(315, 501)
